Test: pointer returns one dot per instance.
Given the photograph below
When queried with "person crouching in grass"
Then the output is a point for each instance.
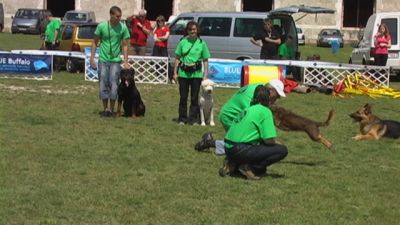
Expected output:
(250, 141)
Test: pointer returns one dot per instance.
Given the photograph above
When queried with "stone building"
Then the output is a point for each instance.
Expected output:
(350, 16)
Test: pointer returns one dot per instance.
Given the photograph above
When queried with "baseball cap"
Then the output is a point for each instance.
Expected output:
(278, 86)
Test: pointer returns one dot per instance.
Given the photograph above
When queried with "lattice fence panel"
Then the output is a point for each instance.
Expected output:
(149, 69)
(329, 75)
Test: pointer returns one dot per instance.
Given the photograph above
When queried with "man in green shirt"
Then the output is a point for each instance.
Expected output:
(110, 34)
(52, 33)
(236, 104)
(250, 141)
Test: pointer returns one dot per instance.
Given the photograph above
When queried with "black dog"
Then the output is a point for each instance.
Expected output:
(129, 96)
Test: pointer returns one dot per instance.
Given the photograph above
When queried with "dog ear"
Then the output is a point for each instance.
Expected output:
(367, 108)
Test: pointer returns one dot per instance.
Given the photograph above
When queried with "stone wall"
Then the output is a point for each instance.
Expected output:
(311, 24)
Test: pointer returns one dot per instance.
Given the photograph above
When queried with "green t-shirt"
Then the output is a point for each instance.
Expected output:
(238, 102)
(110, 40)
(285, 52)
(198, 52)
(51, 28)
(252, 125)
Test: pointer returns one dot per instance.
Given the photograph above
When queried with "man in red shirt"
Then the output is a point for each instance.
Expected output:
(141, 28)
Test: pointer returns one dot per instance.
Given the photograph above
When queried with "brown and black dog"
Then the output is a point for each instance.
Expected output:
(289, 121)
(373, 128)
(129, 96)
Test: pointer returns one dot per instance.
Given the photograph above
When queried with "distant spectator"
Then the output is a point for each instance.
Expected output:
(52, 33)
(285, 50)
(270, 40)
(141, 28)
(382, 43)
(161, 35)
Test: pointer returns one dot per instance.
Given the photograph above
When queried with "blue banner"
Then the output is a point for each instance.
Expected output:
(225, 71)
(22, 64)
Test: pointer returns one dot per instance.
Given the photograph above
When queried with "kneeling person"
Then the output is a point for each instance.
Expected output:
(250, 141)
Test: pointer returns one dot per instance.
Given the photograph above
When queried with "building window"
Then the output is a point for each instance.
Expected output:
(257, 5)
(357, 12)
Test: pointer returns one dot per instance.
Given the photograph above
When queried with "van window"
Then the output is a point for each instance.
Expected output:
(67, 34)
(86, 32)
(285, 26)
(392, 26)
(26, 13)
(215, 26)
(75, 16)
(245, 27)
(179, 26)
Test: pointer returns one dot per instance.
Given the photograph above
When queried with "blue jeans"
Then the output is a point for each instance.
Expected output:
(109, 79)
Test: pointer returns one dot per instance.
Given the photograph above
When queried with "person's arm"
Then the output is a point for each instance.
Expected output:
(125, 51)
(376, 40)
(274, 41)
(389, 44)
(145, 27)
(55, 36)
(256, 42)
(165, 37)
(176, 65)
(205, 69)
(93, 52)
(269, 141)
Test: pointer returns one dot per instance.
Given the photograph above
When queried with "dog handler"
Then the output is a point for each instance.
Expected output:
(250, 141)
(110, 34)
(236, 104)
(191, 66)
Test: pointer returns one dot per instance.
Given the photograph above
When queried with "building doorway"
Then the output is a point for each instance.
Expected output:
(357, 12)
(156, 8)
(58, 8)
(257, 5)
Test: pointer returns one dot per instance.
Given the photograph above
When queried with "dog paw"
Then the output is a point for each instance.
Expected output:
(357, 138)
(212, 124)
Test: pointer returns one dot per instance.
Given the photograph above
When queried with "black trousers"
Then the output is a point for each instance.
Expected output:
(160, 51)
(259, 157)
(184, 85)
(381, 59)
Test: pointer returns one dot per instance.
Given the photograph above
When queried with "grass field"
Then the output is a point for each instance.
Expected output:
(60, 163)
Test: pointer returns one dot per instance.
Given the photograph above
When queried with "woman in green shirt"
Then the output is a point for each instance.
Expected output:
(191, 67)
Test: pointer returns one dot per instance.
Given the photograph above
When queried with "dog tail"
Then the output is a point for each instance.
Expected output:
(327, 122)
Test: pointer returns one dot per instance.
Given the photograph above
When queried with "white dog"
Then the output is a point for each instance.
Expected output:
(206, 102)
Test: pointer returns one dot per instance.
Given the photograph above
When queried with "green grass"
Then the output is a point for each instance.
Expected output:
(60, 163)
(342, 56)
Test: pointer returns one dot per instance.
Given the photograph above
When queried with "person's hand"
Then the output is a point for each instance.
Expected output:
(126, 65)
(139, 25)
(175, 77)
(93, 64)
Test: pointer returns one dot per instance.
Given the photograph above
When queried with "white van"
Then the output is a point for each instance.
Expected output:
(227, 34)
(363, 52)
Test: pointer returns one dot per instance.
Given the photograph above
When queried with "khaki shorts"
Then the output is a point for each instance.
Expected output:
(137, 50)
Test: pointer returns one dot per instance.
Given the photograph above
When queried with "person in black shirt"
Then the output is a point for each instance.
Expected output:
(270, 40)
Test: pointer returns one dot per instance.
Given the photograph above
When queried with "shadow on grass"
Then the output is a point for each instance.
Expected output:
(303, 163)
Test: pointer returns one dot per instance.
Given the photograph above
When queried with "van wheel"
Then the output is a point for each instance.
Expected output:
(70, 66)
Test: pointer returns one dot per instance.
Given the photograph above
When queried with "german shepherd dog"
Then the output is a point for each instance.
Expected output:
(373, 128)
(289, 121)
(129, 96)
